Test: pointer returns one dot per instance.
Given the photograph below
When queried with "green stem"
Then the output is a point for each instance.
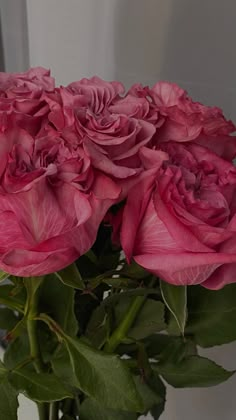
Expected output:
(77, 404)
(123, 328)
(42, 411)
(31, 312)
(34, 345)
(121, 331)
(54, 410)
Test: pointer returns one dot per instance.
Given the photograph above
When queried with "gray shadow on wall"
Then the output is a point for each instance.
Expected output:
(139, 35)
(186, 41)
(14, 35)
(200, 54)
(2, 64)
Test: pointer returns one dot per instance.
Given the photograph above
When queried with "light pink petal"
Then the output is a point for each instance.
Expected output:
(131, 105)
(82, 207)
(144, 134)
(182, 235)
(21, 262)
(105, 188)
(63, 234)
(226, 274)
(11, 233)
(42, 75)
(135, 207)
(167, 94)
(14, 184)
(223, 146)
(114, 133)
(184, 268)
(152, 158)
(208, 235)
(203, 154)
(7, 141)
(153, 236)
(181, 131)
(39, 212)
(104, 163)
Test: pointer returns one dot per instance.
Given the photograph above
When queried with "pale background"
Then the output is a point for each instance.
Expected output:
(187, 41)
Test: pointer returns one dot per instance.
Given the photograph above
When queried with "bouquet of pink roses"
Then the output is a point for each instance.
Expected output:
(118, 245)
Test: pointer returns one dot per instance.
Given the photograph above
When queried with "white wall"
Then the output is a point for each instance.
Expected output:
(187, 41)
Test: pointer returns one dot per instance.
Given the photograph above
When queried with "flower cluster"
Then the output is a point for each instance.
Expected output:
(67, 154)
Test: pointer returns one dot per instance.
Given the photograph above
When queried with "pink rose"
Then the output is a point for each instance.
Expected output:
(91, 111)
(96, 93)
(137, 104)
(27, 84)
(68, 104)
(180, 220)
(21, 98)
(51, 203)
(185, 119)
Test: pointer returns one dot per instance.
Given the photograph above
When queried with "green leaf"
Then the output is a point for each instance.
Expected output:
(62, 367)
(17, 351)
(164, 347)
(3, 371)
(103, 377)
(92, 257)
(157, 385)
(150, 320)
(8, 401)
(71, 277)
(7, 298)
(58, 301)
(3, 276)
(157, 411)
(18, 287)
(134, 271)
(40, 387)
(193, 371)
(149, 396)
(48, 342)
(98, 328)
(8, 319)
(172, 325)
(120, 282)
(112, 300)
(175, 298)
(212, 315)
(92, 410)
(85, 305)
(18, 329)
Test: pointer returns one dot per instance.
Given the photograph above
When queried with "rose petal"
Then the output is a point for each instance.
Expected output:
(184, 268)
(137, 202)
(182, 235)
